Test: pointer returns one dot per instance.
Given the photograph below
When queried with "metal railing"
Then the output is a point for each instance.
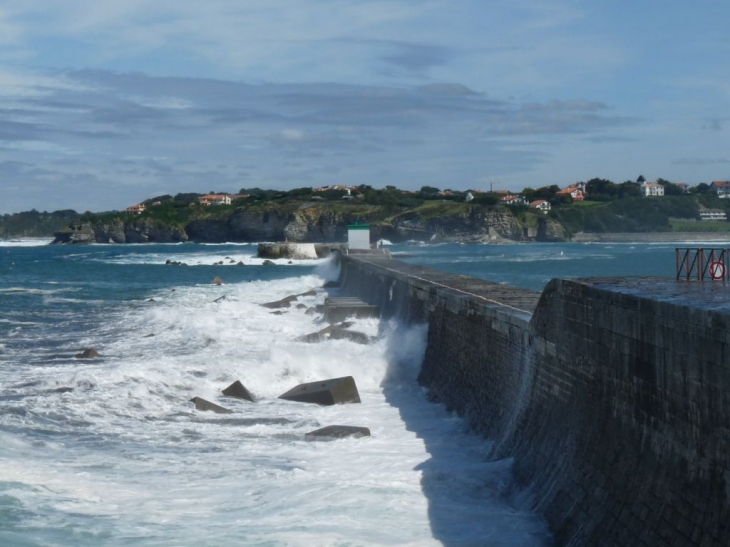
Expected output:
(700, 264)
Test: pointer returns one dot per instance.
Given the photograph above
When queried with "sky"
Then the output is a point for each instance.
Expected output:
(105, 103)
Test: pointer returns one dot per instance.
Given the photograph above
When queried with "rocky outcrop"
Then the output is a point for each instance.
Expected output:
(475, 225)
(550, 230)
(150, 231)
(120, 231)
(209, 231)
(76, 233)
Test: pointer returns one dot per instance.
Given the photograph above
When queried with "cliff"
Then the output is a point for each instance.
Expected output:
(309, 222)
(133, 230)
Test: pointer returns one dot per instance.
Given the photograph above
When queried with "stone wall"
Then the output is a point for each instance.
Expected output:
(612, 396)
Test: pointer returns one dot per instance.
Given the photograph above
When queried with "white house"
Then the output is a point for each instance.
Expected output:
(721, 188)
(136, 209)
(541, 204)
(574, 192)
(215, 199)
(652, 189)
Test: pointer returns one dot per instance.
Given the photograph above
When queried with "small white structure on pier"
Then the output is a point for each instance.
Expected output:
(358, 236)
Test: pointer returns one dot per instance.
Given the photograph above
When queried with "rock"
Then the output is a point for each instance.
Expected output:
(150, 335)
(310, 311)
(216, 281)
(321, 335)
(61, 390)
(278, 312)
(269, 263)
(231, 261)
(337, 432)
(283, 303)
(89, 353)
(220, 298)
(239, 391)
(240, 263)
(202, 404)
(151, 300)
(308, 293)
(335, 391)
(351, 335)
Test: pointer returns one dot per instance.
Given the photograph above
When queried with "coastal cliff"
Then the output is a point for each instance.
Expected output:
(118, 231)
(310, 223)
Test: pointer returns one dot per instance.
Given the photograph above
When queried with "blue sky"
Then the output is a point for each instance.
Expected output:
(106, 103)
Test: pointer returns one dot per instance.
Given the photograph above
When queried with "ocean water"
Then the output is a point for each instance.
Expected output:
(111, 451)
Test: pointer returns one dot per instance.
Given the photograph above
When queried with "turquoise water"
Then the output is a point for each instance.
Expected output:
(110, 451)
(531, 266)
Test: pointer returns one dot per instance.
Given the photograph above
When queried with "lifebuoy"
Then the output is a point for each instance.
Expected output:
(717, 270)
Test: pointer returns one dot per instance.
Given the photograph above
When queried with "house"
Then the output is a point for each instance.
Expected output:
(541, 204)
(511, 199)
(136, 209)
(721, 188)
(574, 192)
(215, 199)
(652, 189)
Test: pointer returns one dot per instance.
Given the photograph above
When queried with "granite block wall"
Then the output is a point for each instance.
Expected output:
(613, 402)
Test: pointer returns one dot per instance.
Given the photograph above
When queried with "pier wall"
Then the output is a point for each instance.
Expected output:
(613, 402)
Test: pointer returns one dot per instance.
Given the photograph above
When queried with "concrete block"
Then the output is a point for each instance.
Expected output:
(326, 392)
(337, 432)
(202, 404)
(239, 391)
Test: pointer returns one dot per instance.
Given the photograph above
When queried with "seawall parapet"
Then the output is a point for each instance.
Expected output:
(611, 395)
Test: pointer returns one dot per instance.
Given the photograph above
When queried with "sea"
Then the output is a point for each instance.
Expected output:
(111, 451)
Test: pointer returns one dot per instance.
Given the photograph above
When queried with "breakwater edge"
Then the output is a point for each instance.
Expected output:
(610, 394)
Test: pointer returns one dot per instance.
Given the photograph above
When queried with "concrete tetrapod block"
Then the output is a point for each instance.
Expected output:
(337, 432)
(202, 404)
(337, 391)
(239, 391)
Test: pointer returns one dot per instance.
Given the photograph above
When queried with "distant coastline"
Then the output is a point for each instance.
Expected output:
(650, 237)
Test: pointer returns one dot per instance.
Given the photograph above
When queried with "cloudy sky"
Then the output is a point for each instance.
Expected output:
(104, 103)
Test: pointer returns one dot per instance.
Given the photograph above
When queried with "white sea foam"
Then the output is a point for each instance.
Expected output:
(25, 242)
(121, 453)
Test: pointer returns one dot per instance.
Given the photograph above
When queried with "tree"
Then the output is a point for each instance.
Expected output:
(670, 189)
(641, 179)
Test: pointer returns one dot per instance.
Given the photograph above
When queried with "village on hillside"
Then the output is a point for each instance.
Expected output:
(543, 199)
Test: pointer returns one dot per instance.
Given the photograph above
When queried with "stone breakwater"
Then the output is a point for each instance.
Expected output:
(612, 396)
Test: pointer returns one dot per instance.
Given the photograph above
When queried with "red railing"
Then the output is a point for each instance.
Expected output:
(702, 264)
